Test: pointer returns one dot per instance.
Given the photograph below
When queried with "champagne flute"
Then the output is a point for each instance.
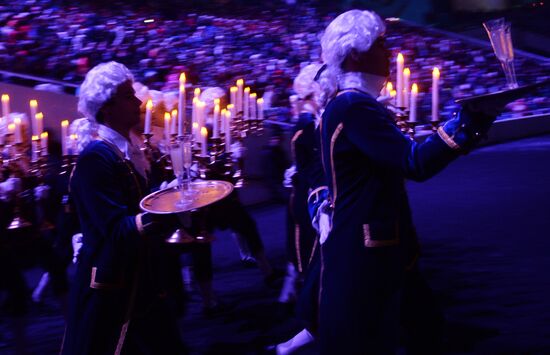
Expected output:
(499, 32)
(187, 156)
(176, 155)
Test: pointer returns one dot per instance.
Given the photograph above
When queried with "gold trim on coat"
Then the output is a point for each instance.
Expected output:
(100, 285)
(371, 243)
(447, 139)
(332, 168)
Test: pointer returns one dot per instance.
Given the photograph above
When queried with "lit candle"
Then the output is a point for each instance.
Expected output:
(44, 143)
(240, 85)
(246, 102)
(215, 119)
(393, 93)
(233, 95)
(227, 130)
(5, 105)
(173, 121)
(414, 94)
(38, 123)
(204, 135)
(35, 148)
(11, 128)
(33, 106)
(167, 126)
(406, 78)
(195, 126)
(197, 93)
(17, 133)
(64, 127)
(252, 107)
(73, 139)
(435, 94)
(389, 88)
(200, 114)
(400, 62)
(148, 115)
(181, 105)
(194, 118)
(260, 103)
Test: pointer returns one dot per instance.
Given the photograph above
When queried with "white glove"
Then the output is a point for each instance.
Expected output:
(166, 184)
(322, 222)
(10, 188)
(77, 244)
(289, 173)
(41, 192)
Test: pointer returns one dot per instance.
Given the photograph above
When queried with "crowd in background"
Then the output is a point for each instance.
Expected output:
(265, 46)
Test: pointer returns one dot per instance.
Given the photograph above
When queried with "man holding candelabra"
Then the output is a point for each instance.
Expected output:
(117, 300)
(371, 252)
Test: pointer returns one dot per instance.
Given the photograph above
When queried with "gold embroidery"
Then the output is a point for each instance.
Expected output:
(121, 338)
(448, 140)
(313, 251)
(293, 144)
(370, 243)
(100, 285)
(297, 247)
(332, 142)
(317, 190)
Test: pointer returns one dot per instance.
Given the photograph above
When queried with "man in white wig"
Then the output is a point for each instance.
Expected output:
(366, 160)
(117, 302)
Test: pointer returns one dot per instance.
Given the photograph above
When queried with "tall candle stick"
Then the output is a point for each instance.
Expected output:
(233, 95)
(194, 119)
(181, 105)
(204, 135)
(173, 121)
(39, 123)
(167, 127)
(435, 94)
(400, 62)
(148, 115)
(240, 85)
(195, 129)
(405, 93)
(44, 143)
(414, 94)
(64, 127)
(17, 133)
(33, 105)
(260, 103)
(215, 119)
(227, 130)
(200, 114)
(35, 148)
(252, 107)
(73, 146)
(393, 94)
(246, 103)
(5, 105)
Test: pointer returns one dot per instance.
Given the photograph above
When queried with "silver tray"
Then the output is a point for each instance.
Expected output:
(204, 193)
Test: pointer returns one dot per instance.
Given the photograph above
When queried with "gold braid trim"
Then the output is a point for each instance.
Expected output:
(448, 140)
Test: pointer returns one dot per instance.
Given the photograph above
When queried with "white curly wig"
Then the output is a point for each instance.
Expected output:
(85, 131)
(304, 83)
(353, 29)
(100, 85)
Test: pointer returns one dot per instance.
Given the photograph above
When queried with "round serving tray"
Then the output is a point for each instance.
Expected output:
(204, 193)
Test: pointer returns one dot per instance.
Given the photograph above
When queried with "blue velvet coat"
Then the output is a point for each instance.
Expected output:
(366, 160)
(118, 282)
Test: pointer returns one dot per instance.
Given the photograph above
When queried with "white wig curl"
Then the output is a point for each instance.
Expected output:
(100, 85)
(85, 131)
(304, 83)
(353, 29)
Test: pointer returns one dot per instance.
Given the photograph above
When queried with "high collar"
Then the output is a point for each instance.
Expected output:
(110, 135)
(371, 84)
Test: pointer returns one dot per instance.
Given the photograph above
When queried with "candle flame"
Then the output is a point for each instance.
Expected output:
(233, 89)
(34, 138)
(216, 101)
(246, 90)
(260, 101)
(44, 135)
(5, 98)
(197, 92)
(393, 93)
(389, 86)
(149, 104)
(414, 88)
(73, 137)
(39, 116)
(436, 72)
(204, 131)
(11, 127)
(253, 95)
(195, 125)
(400, 58)
(223, 111)
(167, 116)
(406, 72)
(33, 103)
(17, 121)
(240, 82)
(65, 123)
(182, 78)
(174, 113)
(230, 106)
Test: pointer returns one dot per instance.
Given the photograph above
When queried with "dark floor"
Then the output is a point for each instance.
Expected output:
(484, 225)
